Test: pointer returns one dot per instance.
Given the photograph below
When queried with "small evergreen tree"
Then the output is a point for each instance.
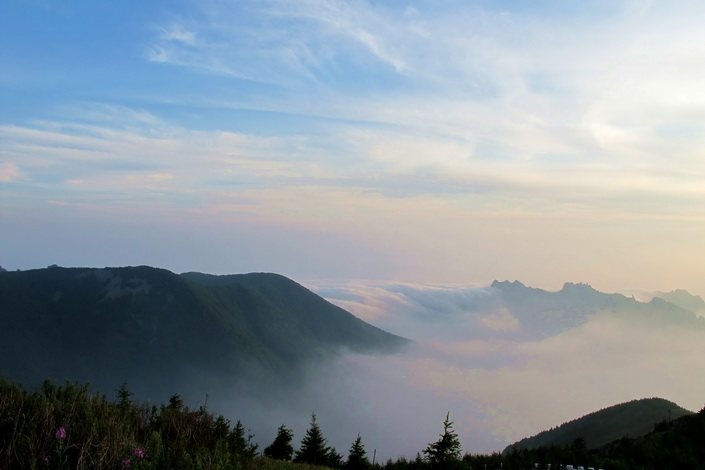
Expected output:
(281, 448)
(176, 402)
(333, 459)
(124, 396)
(447, 448)
(357, 457)
(314, 449)
(242, 445)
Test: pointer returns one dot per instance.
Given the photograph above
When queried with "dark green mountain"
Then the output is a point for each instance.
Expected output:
(632, 419)
(674, 445)
(159, 330)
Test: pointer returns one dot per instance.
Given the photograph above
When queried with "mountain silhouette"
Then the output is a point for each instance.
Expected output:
(541, 314)
(163, 331)
(632, 419)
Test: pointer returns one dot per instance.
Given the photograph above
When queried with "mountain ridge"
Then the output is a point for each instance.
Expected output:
(541, 313)
(155, 328)
(632, 419)
(684, 299)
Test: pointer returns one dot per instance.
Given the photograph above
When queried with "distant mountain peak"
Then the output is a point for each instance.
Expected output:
(507, 285)
(569, 287)
(683, 299)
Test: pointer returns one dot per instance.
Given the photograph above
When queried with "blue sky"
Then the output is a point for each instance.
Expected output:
(418, 141)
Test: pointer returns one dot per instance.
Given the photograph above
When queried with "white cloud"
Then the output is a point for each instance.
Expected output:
(501, 321)
(354, 184)
(113, 115)
(552, 113)
(177, 33)
(590, 89)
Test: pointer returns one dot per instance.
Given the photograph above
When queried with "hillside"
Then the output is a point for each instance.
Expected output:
(632, 419)
(160, 330)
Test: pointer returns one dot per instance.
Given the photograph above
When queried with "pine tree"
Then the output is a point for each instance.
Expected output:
(281, 448)
(333, 459)
(176, 402)
(357, 457)
(314, 449)
(447, 448)
(241, 444)
(124, 396)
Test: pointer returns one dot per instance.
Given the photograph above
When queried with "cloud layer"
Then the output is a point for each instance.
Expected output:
(500, 389)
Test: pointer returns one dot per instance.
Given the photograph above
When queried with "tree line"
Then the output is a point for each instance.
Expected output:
(315, 450)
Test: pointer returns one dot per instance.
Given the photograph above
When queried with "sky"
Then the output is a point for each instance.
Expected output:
(450, 142)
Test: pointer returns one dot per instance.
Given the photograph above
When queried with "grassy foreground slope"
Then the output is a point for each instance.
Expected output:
(67, 427)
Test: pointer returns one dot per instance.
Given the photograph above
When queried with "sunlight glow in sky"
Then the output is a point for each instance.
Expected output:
(456, 141)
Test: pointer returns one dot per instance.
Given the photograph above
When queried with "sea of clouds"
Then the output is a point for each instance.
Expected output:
(470, 358)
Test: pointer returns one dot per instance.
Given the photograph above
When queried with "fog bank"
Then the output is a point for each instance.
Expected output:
(498, 389)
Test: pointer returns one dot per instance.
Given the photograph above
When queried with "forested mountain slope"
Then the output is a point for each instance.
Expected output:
(632, 419)
(155, 328)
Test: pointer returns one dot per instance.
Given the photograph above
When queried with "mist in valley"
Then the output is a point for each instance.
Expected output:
(506, 360)
(469, 357)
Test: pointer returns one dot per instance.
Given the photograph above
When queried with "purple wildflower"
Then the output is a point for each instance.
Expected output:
(60, 433)
(126, 463)
(45, 459)
(139, 453)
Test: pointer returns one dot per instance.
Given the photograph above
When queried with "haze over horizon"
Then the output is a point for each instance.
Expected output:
(453, 142)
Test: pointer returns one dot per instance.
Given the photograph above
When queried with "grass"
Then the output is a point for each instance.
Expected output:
(68, 427)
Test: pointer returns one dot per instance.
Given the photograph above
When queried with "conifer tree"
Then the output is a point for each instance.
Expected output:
(281, 448)
(176, 402)
(314, 449)
(447, 448)
(357, 457)
(333, 459)
(124, 396)
(242, 445)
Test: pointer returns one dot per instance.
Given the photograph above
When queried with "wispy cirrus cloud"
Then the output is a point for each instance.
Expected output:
(177, 33)
(307, 40)
(535, 97)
